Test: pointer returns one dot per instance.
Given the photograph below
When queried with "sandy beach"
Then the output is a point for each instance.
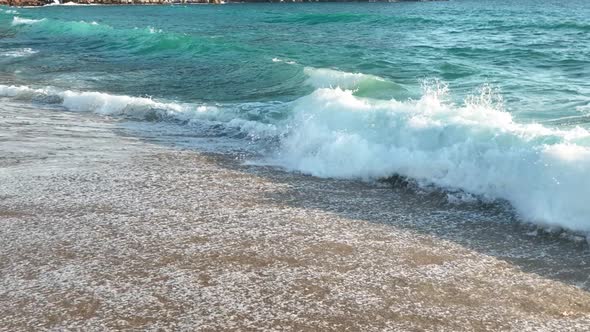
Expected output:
(102, 229)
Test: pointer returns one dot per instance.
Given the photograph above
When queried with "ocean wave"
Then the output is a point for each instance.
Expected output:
(105, 104)
(246, 119)
(314, 19)
(475, 148)
(25, 21)
(346, 18)
(552, 26)
(361, 84)
(328, 78)
(512, 25)
(472, 149)
(140, 41)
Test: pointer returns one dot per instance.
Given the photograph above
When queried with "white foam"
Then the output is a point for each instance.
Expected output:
(584, 109)
(154, 30)
(101, 103)
(146, 108)
(18, 53)
(474, 147)
(24, 21)
(9, 11)
(289, 62)
(69, 3)
(330, 78)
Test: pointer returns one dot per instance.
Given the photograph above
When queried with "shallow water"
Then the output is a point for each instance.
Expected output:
(488, 100)
(123, 232)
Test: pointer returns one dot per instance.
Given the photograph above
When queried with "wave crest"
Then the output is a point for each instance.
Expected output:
(363, 85)
(475, 147)
(236, 120)
(140, 41)
(24, 21)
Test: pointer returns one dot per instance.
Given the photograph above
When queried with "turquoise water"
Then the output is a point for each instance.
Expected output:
(488, 100)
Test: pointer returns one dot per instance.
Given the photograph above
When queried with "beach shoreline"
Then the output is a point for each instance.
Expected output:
(106, 229)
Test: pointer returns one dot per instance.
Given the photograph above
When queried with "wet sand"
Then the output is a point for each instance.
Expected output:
(101, 229)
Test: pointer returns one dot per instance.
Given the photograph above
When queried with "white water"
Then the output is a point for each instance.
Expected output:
(289, 62)
(198, 115)
(18, 53)
(9, 11)
(69, 3)
(103, 103)
(473, 148)
(330, 78)
(24, 21)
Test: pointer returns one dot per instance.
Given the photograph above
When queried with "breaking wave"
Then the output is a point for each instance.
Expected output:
(362, 85)
(24, 21)
(473, 147)
(247, 119)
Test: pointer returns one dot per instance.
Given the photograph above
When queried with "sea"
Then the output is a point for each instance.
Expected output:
(485, 102)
